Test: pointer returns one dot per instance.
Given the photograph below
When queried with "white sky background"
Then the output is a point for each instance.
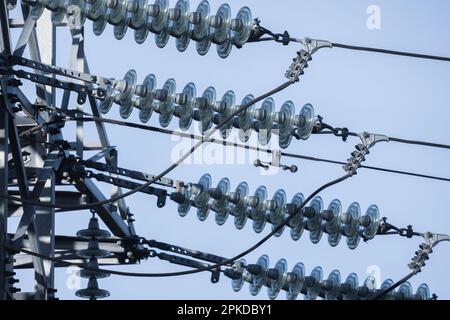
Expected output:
(397, 96)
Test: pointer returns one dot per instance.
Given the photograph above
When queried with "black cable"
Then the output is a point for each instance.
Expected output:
(226, 143)
(286, 39)
(339, 132)
(208, 138)
(392, 52)
(420, 143)
(344, 133)
(166, 171)
(247, 147)
(406, 173)
(394, 286)
(391, 233)
(209, 268)
(265, 39)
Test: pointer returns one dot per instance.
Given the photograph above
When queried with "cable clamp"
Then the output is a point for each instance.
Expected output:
(344, 134)
(313, 45)
(297, 68)
(425, 249)
(258, 32)
(368, 141)
(433, 239)
(300, 62)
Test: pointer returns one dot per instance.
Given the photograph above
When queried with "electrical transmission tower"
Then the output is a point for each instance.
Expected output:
(38, 163)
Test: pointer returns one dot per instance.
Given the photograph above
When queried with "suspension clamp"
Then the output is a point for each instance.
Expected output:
(368, 141)
(300, 62)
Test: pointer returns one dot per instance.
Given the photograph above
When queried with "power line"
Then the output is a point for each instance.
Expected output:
(166, 171)
(391, 52)
(395, 285)
(92, 118)
(209, 268)
(344, 133)
(420, 143)
(207, 138)
(248, 147)
(417, 175)
(284, 38)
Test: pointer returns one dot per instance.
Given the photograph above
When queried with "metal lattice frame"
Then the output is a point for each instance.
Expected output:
(37, 223)
(36, 179)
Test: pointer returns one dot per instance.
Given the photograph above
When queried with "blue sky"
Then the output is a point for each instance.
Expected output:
(397, 96)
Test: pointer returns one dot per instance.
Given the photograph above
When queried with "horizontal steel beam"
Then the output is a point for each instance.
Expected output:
(68, 243)
(19, 23)
(71, 198)
(25, 261)
(66, 248)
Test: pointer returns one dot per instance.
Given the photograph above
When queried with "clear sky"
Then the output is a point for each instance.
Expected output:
(397, 96)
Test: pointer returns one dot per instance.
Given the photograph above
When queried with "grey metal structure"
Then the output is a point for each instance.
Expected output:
(30, 170)
(37, 164)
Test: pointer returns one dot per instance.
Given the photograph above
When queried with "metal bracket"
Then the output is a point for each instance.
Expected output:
(215, 273)
(82, 90)
(434, 239)
(300, 63)
(102, 154)
(208, 257)
(276, 158)
(161, 194)
(313, 45)
(371, 139)
(12, 60)
(133, 174)
(425, 249)
(99, 93)
(276, 162)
